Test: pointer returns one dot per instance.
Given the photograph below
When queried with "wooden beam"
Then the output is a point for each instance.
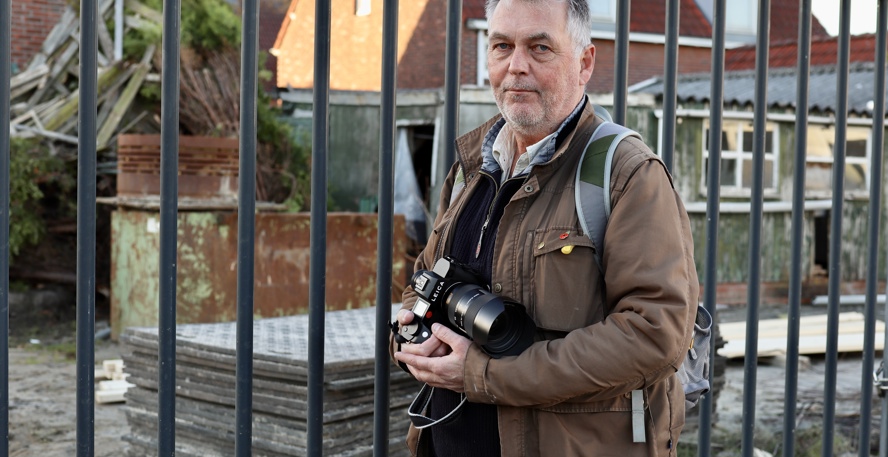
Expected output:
(126, 98)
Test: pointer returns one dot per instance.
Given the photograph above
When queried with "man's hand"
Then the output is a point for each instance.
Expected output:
(428, 365)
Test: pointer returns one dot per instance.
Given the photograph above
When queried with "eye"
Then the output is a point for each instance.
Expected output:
(541, 48)
(501, 46)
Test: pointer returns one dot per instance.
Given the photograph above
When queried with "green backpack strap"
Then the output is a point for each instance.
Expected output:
(592, 182)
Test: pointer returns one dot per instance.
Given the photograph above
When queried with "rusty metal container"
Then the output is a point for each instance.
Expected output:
(207, 265)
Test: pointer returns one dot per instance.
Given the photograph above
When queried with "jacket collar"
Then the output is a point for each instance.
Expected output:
(486, 134)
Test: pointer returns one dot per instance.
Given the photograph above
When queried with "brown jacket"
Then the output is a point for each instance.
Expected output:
(569, 393)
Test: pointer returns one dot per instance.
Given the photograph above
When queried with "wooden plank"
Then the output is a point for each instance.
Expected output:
(776, 327)
(72, 102)
(48, 134)
(808, 345)
(145, 11)
(812, 335)
(106, 44)
(28, 76)
(126, 98)
(110, 396)
(61, 31)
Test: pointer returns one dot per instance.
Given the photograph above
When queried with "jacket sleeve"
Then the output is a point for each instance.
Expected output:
(651, 292)
(427, 257)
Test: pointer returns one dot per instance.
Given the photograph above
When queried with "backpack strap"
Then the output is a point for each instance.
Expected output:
(592, 195)
(592, 182)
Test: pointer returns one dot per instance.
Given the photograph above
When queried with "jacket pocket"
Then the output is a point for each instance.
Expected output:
(565, 280)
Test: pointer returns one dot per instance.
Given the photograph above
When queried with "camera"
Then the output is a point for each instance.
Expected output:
(450, 295)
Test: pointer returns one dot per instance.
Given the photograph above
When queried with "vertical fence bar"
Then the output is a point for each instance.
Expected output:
(318, 268)
(246, 229)
(835, 232)
(713, 194)
(875, 210)
(755, 226)
(670, 67)
(451, 80)
(621, 61)
(385, 232)
(86, 227)
(5, 156)
(798, 225)
(169, 209)
(385, 227)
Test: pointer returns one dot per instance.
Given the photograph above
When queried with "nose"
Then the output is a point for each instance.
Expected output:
(518, 61)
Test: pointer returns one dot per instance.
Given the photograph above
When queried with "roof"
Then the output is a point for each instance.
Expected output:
(649, 16)
(785, 22)
(739, 88)
(824, 51)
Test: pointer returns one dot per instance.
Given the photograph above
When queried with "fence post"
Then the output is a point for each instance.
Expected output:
(451, 80)
(713, 194)
(798, 221)
(755, 225)
(246, 229)
(318, 264)
(875, 208)
(385, 231)
(169, 208)
(86, 227)
(5, 88)
(835, 240)
(621, 62)
(670, 68)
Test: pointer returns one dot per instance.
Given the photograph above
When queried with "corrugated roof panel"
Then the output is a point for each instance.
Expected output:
(739, 88)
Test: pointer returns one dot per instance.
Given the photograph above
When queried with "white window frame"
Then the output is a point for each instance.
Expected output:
(849, 160)
(737, 189)
(752, 14)
(611, 15)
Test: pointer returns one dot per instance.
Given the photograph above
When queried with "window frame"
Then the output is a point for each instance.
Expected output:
(737, 188)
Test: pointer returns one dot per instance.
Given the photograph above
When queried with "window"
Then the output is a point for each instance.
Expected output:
(362, 7)
(741, 16)
(819, 161)
(603, 10)
(737, 156)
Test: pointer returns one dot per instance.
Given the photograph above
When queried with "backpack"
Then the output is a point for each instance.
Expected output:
(592, 195)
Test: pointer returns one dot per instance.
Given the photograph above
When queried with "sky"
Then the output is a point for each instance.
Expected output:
(863, 15)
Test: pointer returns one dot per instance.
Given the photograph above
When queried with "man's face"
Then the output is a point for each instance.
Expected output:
(535, 72)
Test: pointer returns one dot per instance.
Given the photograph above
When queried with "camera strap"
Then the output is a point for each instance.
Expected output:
(420, 406)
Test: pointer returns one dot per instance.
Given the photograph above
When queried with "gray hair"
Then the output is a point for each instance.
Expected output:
(579, 19)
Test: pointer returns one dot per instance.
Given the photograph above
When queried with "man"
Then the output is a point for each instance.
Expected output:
(507, 210)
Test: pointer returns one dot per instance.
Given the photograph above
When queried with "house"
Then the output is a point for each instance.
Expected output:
(692, 155)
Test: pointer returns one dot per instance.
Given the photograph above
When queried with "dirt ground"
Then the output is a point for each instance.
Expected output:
(43, 378)
(43, 383)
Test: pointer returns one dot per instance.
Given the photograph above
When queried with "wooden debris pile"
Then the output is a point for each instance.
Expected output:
(45, 96)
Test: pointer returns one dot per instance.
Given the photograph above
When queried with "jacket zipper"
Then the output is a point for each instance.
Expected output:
(484, 226)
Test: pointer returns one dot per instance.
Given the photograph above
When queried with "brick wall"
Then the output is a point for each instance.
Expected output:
(645, 61)
(32, 21)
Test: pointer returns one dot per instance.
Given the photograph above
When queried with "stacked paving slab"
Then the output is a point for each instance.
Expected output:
(205, 388)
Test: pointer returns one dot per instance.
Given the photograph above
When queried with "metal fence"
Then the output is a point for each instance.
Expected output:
(86, 226)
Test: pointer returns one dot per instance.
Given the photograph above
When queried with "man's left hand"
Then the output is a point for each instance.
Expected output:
(446, 372)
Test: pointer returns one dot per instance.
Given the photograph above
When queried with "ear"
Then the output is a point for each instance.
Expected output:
(587, 64)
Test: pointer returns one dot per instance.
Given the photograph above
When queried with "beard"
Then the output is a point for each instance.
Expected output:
(521, 111)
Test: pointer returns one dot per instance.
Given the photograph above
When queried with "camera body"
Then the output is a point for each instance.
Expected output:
(449, 294)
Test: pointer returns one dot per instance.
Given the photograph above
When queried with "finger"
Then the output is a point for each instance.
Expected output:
(449, 337)
(405, 316)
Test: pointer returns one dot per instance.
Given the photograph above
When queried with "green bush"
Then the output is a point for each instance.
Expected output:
(31, 165)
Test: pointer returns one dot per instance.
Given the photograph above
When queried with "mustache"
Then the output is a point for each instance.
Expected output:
(518, 86)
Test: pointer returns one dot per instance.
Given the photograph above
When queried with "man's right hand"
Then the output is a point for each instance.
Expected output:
(432, 347)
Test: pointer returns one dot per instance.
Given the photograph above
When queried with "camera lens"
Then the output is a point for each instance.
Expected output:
(500, 327)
